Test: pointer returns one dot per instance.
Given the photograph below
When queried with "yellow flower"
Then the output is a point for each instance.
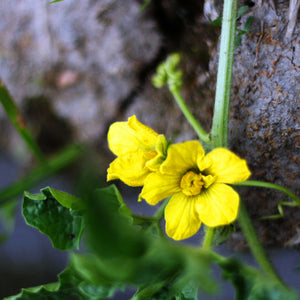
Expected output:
(197, 184)
(139, 151)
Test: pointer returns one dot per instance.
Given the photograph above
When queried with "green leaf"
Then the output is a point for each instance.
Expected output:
(65, 199)
(63, 225)
(54, 1)
(122, 253)
(248, 24)
(241, 32)
(242, 10)
(109, 219)
(238, 40)
(164, 290)
(222, 234)
(189, 292)
(144, 5)
(159, 290)
(250, 284)
(70, 284)
(217, 21)
(130, 255)
(41, 292)
(95, 276)
(71, 278)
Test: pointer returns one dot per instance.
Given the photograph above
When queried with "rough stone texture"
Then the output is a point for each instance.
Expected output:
(83, 56)
(187, 31)
(265, 123)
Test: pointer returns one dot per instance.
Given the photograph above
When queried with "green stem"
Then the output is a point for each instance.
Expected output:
(202, 134)
(208, 238)
(61, 160)
(16, 118)
(255, 245)
(141, 219)
(160, 212)
(271, 186)
(219, 132)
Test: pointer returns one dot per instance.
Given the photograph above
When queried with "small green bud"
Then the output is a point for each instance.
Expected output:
(160, 78)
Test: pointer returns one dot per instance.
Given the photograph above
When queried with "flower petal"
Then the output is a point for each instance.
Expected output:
(158, 187)
(218, 205)
(182, 220)
(129, 168)
(154, 163)
(182, 157)
(124, 137)
(226, 166)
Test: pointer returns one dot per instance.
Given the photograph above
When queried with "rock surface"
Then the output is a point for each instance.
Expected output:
(84, 57)
(265, 115)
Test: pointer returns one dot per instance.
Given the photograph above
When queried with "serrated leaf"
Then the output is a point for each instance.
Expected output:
(65, 199)
(70, 284)
(64, 226)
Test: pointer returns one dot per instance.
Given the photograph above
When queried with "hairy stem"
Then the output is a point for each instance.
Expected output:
(219, 132)
(271, 186)
(208, 238)
(189, 116)
(255, 245)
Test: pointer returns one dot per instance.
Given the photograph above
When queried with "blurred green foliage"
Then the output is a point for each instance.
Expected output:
(122, 253)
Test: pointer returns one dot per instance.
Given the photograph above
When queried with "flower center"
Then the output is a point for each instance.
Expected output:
(191, 183)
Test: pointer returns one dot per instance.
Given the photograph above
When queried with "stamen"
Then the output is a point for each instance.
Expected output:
(191, 183)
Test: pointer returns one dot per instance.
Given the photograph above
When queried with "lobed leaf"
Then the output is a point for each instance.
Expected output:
(56, 214)
(69, 285)
(122, 253)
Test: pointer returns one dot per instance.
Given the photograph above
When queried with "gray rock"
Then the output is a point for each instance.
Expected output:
(265, 124)
(84, 56)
